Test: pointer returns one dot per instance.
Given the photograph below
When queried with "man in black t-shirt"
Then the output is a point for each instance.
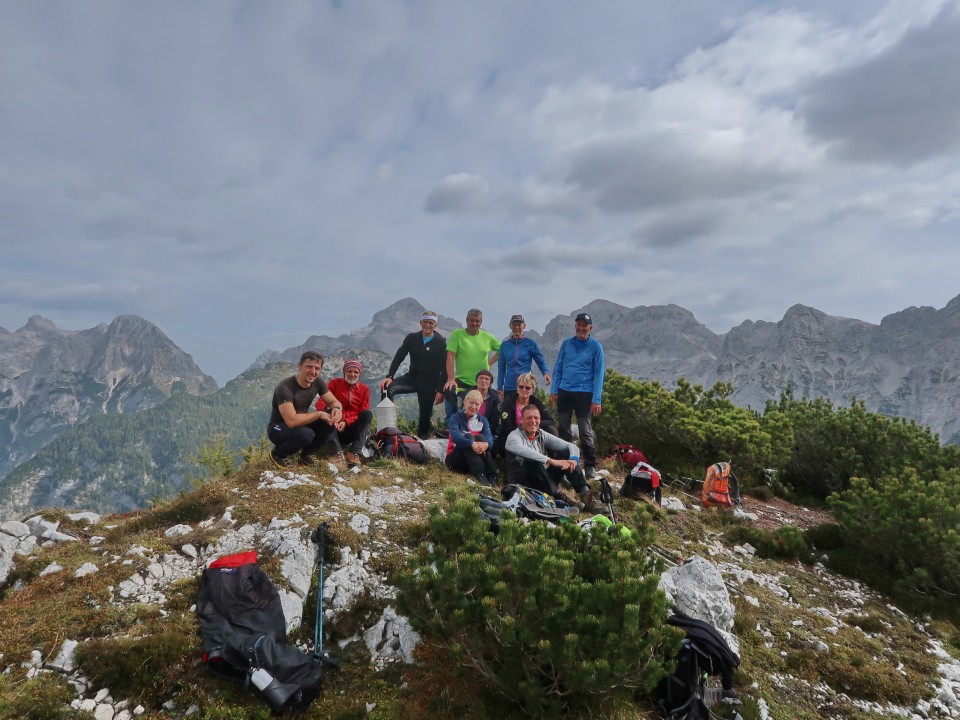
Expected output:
(293, 425)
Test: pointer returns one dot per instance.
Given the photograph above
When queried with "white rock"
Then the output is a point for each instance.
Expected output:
(15, 528)
(86, 569)
(391, 639)
(88, 705)
(88, 517)
(696, 588)
(101, 695)
(745, 549)
(673, 503)
(103, 712)
(333, 468)
(360, 523)
(292, 605)
(66, 659)
(139, 710)
(50, 569)
(821, 646)
(189, 550)
(96, 539)
(178, 530)
(739, 512)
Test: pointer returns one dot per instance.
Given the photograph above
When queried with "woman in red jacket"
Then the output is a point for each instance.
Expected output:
(353, 425)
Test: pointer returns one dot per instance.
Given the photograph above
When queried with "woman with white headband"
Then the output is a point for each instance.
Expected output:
(427, 375)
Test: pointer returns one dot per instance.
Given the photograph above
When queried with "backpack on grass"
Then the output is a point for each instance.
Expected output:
(720, 487)
(643, 479)
(703, 654)
(629, 455)
(391, 443)
(245, 635)
(536, 505)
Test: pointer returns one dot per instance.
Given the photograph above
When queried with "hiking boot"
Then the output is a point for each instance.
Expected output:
(282, 463)
(589, 503)
(308, 460)
(590, 472)
(482, 479)
(338, 459)
(353, 460)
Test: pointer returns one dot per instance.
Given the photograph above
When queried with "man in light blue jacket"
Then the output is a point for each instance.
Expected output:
(578, 381)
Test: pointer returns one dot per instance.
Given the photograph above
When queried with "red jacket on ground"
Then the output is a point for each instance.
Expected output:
(354, 398)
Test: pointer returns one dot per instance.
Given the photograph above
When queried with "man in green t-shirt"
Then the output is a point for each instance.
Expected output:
(468, 350)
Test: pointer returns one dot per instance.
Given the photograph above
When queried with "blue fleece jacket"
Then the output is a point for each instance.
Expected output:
(579, 367)
(516, 358)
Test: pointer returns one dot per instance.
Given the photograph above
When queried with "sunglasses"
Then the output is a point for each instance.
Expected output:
(525, 387)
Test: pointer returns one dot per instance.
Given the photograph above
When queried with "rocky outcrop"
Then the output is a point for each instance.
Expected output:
(53, 379)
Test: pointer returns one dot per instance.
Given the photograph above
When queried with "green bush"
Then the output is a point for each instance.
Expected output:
(905, 529)
(832, 445)
(689, 428)
(551, 618)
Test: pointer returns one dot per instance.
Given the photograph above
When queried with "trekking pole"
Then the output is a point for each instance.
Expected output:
(321, 536)
(606, 494)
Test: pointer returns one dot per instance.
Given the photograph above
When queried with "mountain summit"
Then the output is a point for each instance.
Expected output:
(52, 379)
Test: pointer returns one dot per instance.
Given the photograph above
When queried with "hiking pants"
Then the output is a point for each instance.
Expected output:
(306, 438)
(354, 435)
(467, 461)
(426, 394)
(546, 479)
(578, 403)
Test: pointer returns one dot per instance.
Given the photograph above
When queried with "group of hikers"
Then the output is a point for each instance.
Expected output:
(482, 423)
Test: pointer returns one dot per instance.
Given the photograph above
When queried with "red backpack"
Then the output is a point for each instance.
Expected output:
(391, 443)
(629, 455)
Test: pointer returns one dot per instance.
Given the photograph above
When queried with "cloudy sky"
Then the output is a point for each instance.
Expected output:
(245, 174)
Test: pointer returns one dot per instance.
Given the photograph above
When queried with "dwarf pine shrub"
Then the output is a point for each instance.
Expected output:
(552, 618)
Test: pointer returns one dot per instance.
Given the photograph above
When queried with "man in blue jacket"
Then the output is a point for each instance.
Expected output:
(578, 381)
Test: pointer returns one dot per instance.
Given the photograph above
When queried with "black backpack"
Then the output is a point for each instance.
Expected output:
(391, 443)
(245, 638)
(704, 653)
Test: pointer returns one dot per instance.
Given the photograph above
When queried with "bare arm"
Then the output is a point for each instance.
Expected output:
(451, 383)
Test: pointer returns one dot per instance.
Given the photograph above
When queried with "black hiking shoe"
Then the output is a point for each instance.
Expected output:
(284, 463)
(482, 479)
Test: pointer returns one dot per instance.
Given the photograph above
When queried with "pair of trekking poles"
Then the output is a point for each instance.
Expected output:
(320, 537)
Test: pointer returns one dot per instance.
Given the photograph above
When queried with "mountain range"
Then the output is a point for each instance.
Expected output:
(53, 379)
(72, 404)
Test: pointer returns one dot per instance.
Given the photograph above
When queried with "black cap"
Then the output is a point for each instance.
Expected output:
(585, 317)
(516, 318)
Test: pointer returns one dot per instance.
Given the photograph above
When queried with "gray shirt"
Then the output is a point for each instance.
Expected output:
(520, 445)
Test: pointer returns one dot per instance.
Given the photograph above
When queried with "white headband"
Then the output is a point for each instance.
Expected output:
(428, 316)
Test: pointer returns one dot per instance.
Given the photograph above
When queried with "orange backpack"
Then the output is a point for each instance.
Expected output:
(720, 487)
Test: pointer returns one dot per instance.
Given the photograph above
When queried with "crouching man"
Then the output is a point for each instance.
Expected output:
(542, 461)
(294, 427)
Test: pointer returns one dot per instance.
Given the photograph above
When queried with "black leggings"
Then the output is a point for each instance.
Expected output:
(467, 461)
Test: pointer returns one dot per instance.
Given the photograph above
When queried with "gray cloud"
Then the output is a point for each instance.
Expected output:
(458, 193)
(901, 106)
(679, 229)
(633, 173)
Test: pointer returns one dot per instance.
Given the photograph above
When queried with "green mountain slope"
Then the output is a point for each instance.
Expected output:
(121, 462)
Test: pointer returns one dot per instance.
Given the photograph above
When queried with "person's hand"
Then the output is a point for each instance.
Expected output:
(546, 378)
(340, 425)
(385, 383)
(479, 447)
(451, 385)
(553, 398)
(595, 408)
(500, 392)
(438, 398)
(326, 417)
